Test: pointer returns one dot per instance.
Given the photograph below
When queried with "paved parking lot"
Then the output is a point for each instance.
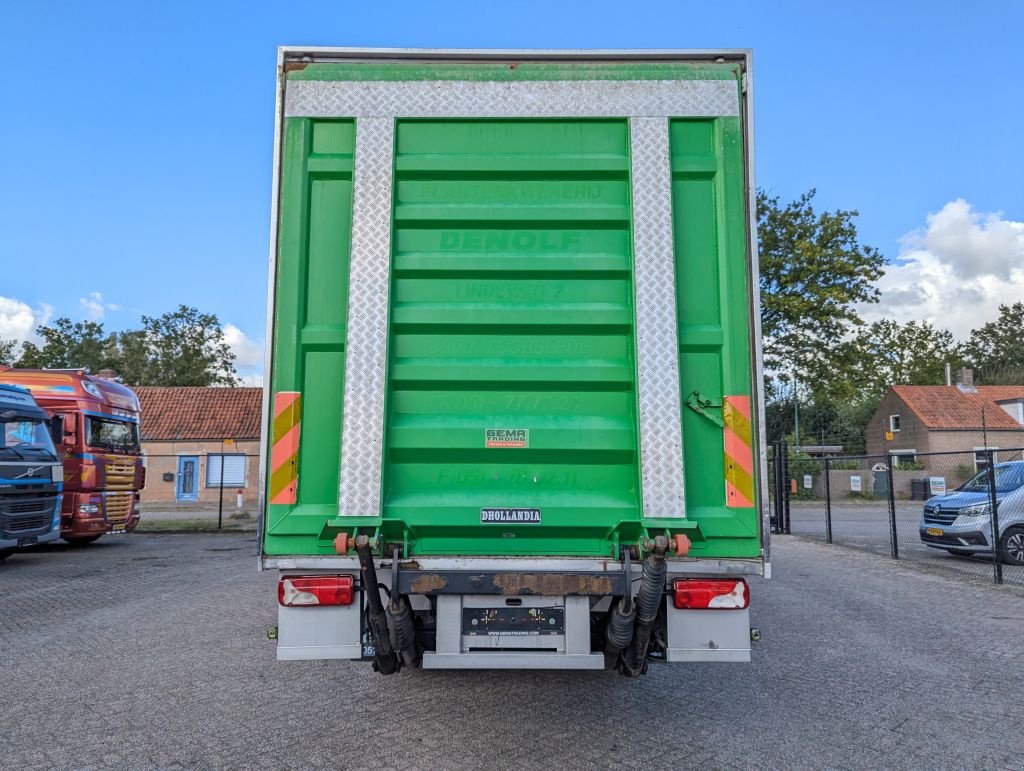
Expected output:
(150, 651)
(866, 525)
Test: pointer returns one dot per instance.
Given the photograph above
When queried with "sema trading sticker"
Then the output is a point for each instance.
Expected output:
(511, 516)
(506, 437)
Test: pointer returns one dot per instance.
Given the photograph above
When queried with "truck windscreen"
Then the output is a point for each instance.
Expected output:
(112, 434)
(26, 437)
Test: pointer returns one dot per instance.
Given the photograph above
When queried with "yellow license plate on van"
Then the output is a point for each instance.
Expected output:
(934, 531)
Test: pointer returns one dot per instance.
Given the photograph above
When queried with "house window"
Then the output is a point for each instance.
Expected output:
(233, 466)
(904, 458)
(981, 457)
(894, 423)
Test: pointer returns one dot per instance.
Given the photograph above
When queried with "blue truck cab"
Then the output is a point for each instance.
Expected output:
(31, 474)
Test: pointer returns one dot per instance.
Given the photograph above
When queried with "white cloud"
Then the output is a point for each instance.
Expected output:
(955, 271)
(18, 320)
(94, 308)
(248, 353)
(251, 380)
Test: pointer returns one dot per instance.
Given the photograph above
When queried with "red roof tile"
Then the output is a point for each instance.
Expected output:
(200, 413)
(950, 408)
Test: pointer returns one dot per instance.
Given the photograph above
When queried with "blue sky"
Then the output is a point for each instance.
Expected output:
(136, 144)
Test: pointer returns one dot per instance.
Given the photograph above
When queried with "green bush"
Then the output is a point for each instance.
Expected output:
(909, 465)
(800, 465)
(965, 472)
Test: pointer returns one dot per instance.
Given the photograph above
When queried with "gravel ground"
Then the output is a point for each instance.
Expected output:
(150, 651)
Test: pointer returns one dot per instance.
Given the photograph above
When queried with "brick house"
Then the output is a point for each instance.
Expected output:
(193, 439)
(913, 420)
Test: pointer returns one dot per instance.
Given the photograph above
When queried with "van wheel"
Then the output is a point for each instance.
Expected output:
(1011, 546)
(960, 553)
(5, 553)
(84, 541)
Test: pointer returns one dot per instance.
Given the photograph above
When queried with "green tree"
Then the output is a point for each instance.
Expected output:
(7, 351)
(814, 271)
(68, 344)
(889, 353)
(996, 349)
(181, 348)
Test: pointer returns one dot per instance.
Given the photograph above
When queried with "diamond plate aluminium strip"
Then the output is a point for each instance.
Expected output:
(366, 346)
(526, 99)
(657, 346)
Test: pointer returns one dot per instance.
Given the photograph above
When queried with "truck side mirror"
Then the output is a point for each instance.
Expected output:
(69, 427)
(57, 429)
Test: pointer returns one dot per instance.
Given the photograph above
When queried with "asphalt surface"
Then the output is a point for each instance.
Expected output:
(150, 651)
(866, 525)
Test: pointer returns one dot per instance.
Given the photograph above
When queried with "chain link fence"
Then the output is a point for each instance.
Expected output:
(946, 511)
(200, 491)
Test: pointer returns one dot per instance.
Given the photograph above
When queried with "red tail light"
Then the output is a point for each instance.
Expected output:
(295, 591)
(716, 594)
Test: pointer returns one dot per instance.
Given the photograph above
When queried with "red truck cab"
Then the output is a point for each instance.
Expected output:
(103, 470)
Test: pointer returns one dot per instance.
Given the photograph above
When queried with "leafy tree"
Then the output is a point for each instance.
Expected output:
(837, 408)
(7, 351)
(134, 358)
(890, 353)
(822, 421)
(68, 344)
(181, 348)
(996, 349)
(813, 273)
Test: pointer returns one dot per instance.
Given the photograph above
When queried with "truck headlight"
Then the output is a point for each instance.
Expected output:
(89, 508)
(977, 510)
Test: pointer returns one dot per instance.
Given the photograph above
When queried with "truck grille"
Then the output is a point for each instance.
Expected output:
(23, 507)
(25, 524)
(118, 507)
(120, 475)
(23, 514)
(939, 517)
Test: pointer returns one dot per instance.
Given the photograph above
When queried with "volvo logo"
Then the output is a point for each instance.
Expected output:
(30, 472)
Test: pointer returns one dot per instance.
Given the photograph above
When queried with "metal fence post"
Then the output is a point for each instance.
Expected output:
(773, 470)
(220, 499)
(786, 491)
(828, 504)
(997, 563)
(895, 550)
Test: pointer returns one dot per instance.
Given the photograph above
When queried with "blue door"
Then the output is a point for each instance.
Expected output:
(188, 478)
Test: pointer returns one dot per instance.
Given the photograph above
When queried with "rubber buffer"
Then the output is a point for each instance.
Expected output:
(682, 544)
(341, 543)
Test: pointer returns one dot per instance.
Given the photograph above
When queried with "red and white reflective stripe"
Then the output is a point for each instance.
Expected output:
(296, 591)
(711, 594)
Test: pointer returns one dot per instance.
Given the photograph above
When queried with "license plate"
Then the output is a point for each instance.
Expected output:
(28, 541)
(519, 622)
(935, 531)
(118, 529)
